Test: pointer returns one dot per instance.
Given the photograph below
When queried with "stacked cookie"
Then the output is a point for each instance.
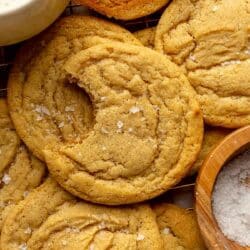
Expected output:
(118, 123)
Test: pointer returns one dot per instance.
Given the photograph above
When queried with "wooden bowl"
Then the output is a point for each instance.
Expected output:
(232, 145)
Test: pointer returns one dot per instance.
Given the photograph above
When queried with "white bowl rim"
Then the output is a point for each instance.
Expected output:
(18, 8)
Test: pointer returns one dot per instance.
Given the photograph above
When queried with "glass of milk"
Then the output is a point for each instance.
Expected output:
(22, 19)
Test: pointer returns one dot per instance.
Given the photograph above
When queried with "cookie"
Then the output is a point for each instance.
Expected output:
(147, 132)
(146, 36)
(210, 40)
(124, 9)
(212, 136)
(179, 228)
(50, 218)
(45, 109)
(20, 172)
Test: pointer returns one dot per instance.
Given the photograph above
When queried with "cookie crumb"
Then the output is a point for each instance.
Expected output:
(103, 98)
(6, 179)
(140, 237)
(134, 110)
(120, 124)
(23, 247)
(92, 247)
(166, 230)
(28, 230)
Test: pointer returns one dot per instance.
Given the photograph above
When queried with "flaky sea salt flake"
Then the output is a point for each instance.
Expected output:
(140, 237)
(69, 109)
(134, 110)
(130, 130)
(6, 179)
(166, 231)
(120, 124)
(25, 194)
(23, 247)
(61, 125)
(42, 110)
(39, 118)
(64, 242)
(215, 8)
(28, 230)
(232, 62)
(192, 58)
(104, 130)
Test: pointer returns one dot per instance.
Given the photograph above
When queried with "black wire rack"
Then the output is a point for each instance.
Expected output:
(7, 55)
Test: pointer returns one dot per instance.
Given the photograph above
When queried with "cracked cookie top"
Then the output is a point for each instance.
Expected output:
(124, 9)
(45, 109)
(50, 218)
(178, 227)
(147, 128)
(210, 41)
(20, 171)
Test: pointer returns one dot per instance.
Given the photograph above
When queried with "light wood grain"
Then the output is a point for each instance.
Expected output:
(228, 148)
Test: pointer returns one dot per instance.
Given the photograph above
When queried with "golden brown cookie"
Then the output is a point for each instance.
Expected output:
(20, 172)
(179, 228)
(50, 218)
(46, 110)
(147, 132)
(212, 136)
(124, 9)
(210, 40)
(146, 36)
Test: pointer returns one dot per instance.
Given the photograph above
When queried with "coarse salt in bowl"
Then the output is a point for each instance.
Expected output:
(22, 19)
(231, 199)
(222, 192)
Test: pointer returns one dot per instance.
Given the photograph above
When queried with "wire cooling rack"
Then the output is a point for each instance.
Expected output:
(7, 54)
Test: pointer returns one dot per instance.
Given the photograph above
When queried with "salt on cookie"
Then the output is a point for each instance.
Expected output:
(50, 218)
(179, 228)
(20, 172)
(124, 9)
(210, 40)
(146, 36)
(45, 109)
(147, 132)
(212, 136)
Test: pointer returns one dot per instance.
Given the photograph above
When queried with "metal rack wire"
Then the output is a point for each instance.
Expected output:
(7, 55)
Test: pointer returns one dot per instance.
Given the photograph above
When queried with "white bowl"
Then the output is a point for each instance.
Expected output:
(22, 19)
